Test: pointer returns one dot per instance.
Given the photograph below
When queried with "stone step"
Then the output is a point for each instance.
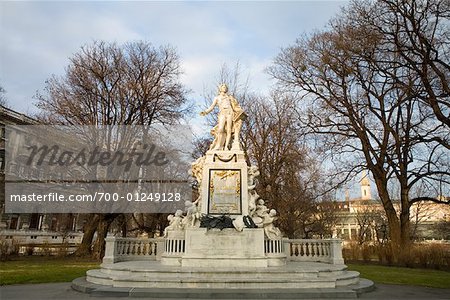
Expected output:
(197, 280)
(80, 284)
(350, 277)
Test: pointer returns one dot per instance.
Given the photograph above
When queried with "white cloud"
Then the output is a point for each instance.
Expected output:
(39, 37)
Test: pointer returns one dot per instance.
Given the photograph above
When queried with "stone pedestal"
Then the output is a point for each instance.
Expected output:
(227, 248)
(224, 188)
(174, 248)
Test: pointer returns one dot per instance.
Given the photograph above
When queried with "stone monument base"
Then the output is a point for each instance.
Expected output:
(216, 248)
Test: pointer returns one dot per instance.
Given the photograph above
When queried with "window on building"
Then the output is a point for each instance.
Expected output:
(34, 221)
(53, 224)
(345, 234)
(13, 222)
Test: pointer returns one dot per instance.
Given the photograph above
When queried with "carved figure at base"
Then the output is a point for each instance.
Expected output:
(252, 198)
(272, 232)
(197, 169)
(192, 218)
(253, 172)
(197, 173)
(175, 222)
(170, 226)
(260, 213)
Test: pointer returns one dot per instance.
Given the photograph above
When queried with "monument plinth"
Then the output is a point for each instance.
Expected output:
(224, 187)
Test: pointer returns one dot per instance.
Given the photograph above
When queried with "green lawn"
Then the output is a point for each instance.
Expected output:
(43, 269)
(409, 276)
(48, 269)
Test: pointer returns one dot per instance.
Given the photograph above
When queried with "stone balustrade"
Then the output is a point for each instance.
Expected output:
(174, 246)
(126, 249)
(273, 247)
(317, 250)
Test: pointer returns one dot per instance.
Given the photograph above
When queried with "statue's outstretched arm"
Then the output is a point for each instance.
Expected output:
(209, 109)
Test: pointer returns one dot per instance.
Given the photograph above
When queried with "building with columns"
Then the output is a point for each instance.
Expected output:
(363, 218)
(33, 228)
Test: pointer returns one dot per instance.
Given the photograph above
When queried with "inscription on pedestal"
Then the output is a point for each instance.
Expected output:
(224, 193)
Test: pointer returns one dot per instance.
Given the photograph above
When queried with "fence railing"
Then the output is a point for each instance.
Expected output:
(273, 247)
(126, 249)
(174, 246)
(314, 250)
(318, 250)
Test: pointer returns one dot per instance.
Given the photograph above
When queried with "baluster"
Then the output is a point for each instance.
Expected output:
(118, 246)
(154, 249)
(133, 252)
(138, 247)
(124, 250)
(146, 248)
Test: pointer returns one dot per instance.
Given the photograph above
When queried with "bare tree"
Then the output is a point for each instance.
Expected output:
(290, 179)
(420, 33)
(111, 84)
(353, 104)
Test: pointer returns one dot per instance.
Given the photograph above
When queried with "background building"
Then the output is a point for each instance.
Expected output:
(363, 218)
(35, 228)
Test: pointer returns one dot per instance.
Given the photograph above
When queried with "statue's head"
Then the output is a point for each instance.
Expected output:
(272, 213)
(223, 88)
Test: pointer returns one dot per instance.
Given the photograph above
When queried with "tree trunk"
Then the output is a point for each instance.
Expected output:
(102, 230)
(395, 229)
(84, 249)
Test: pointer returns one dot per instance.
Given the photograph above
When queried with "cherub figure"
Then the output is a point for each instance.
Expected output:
(260, 213)
(175, 222)
(253, 172)
(192, 218)
(272, 232)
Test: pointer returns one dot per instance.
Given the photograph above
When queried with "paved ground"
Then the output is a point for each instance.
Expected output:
(63, 291)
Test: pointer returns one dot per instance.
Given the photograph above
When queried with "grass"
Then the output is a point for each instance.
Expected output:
(43, 269)
(51, 269)
(399, 275)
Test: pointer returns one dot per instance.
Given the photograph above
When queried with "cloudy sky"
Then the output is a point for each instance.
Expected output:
(37, 38)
